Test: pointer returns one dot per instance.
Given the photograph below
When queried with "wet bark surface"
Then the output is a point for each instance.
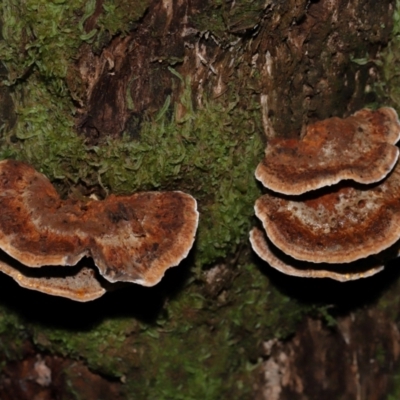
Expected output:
(354, 360)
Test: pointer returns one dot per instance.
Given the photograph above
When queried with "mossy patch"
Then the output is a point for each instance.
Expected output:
(11, 327)
(101, 345)
(119, 16)
(45, 35)
(240, 17)
(388, 88)
(38, 35)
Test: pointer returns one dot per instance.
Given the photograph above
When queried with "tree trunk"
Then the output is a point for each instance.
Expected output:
(115, 97)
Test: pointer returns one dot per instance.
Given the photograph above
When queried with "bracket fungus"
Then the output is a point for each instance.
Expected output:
(360, 147)
(130, 238)
(80, 284)
(290, 266)
(332, 231)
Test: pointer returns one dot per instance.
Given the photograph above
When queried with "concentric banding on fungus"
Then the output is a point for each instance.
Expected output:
(81, 286)
(334, 225)
(289, 266)
(131, 238)
(360, 148)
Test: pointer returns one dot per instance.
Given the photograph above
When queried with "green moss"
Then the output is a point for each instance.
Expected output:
(212, 20)
(120, 15)
(12, 335)
(396, 390)
(245, 15)
(251, 312)
(389, 86)
(100, 345)
(44, 36)
(39, 35)
(221, 17)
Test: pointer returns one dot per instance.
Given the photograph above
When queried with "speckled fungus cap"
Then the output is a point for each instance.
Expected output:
(131, 238)
(79, 285)
(360, 148)
(290, 266)
(340, 224)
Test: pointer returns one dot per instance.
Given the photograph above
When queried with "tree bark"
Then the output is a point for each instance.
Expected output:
(183, 95)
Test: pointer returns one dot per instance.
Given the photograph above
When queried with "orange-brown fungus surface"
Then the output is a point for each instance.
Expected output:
(360, 147)
(131, 238)
(290, 266)
(80, 285)
(334, 225)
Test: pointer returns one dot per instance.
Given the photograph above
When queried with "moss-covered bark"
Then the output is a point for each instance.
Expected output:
(112, 97)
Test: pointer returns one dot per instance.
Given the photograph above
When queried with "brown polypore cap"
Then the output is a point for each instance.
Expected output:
(289, 266)
(335, 225)
(79, 284)
(131, 238)
(360, 147)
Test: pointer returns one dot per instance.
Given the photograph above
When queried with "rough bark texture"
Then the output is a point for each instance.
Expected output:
(118, 96)
(355, 358)
(353, 361)
(296, 54)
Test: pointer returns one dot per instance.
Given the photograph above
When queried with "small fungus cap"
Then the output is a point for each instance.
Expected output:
(340, 224)
(80, 284)
(360, 147)
(289, 266)
(131, 238)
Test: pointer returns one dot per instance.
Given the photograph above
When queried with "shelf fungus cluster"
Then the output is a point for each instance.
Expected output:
(130, 238)
(332, 206)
